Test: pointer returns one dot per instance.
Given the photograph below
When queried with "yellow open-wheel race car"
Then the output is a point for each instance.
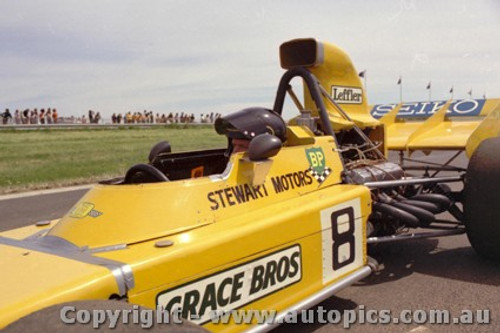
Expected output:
(281, 226)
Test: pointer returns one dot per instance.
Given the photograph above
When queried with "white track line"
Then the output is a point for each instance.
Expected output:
(43, 192)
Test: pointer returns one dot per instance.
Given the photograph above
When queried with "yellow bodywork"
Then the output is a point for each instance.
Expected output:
(33, 280)
(441, 131)
(215, 231)
(488, 128)
(339, 78)
(337, 75)
(337, 70)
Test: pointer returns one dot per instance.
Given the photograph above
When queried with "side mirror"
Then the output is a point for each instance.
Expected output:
(263, 146)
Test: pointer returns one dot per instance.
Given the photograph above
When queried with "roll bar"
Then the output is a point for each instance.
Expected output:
(313, 85)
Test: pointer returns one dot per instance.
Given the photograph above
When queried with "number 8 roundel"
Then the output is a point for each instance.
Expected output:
(342, 239)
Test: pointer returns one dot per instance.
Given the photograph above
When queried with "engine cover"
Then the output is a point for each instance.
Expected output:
(377, 172)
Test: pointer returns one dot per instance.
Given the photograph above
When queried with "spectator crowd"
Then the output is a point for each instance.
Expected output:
(27, 116)
(51, 116)
(148, 117)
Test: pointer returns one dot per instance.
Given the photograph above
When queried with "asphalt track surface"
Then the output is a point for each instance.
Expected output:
(419, 275)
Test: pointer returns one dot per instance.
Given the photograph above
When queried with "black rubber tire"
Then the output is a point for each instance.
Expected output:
(482, 199)
(49, 320)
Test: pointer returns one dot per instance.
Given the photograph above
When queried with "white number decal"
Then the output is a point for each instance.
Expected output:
(342, 239)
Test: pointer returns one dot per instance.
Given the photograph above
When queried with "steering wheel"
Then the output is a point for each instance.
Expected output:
(145, 173)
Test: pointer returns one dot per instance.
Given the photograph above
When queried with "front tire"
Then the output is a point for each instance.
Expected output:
(482, 199)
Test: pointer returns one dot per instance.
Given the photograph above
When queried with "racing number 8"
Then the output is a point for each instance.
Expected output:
(341, 238)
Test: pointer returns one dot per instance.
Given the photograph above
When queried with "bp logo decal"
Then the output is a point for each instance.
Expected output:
(317, 164)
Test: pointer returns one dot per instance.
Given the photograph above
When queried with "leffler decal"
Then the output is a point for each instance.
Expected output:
(347, 95)
(317, 164)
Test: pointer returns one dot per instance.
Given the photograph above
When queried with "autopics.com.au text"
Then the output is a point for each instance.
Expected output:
(146, 318)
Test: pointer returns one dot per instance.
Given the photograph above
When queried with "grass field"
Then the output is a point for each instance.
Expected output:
(50, 158)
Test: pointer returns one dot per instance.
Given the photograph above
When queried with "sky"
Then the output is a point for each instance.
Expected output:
(221, 56)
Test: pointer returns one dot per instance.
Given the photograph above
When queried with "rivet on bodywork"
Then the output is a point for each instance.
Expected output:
(164, 243)
(42, 223)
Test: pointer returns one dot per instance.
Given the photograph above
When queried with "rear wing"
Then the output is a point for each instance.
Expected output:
(439, 125)
(337, 91)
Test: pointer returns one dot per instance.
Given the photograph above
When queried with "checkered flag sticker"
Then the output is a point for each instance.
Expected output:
(320, 177)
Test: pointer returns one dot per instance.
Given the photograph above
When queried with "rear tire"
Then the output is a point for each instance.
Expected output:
(482, 199)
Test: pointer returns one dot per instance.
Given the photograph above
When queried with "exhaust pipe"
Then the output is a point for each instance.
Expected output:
(405, 217)
(428, 206)
(439, 199)
(424, 216)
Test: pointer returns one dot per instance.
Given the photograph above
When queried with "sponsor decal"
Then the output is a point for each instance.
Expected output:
(239, 194)
(459, 108)
(244, 193)
(234, 195)
(347, 95)
(234, 287)
(342, 239)
(317, 164)
(291, 181)
(83, 209)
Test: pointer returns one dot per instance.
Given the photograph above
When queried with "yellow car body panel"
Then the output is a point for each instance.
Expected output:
(333, 67)
(148, 211)
(30, 230)
(489, 127)
(35, 280)
(447, 135)
(216, 233)
(398, 134)
(441, 131)
(241, 240)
